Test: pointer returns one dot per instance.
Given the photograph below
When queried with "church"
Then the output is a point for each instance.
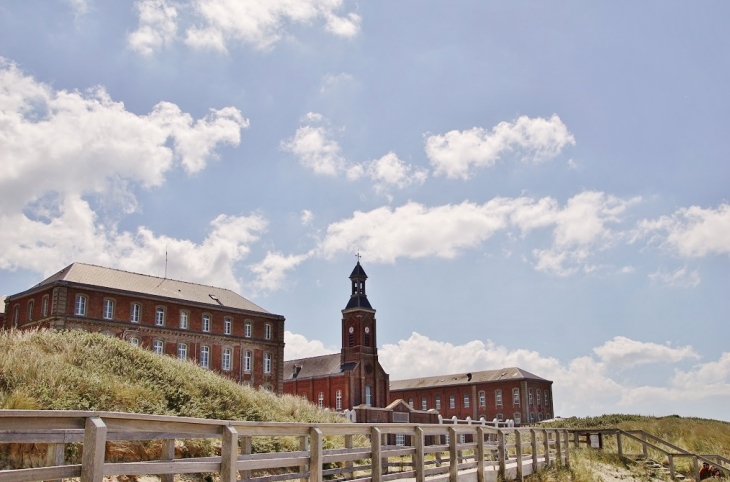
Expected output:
(354, 378)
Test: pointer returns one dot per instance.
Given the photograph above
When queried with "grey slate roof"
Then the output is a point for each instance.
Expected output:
(116, 279)
(316, 366)
(510, 373)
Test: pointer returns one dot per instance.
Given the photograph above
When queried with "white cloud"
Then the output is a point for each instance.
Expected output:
(157, 26)
(77, 143)
(79, 6)
(76, 234)
(297, 346)
(307, 217)
(456, 153)
(216, 24)
(681, 277)
(624, 353)
(333, 81)
(271, 271)
(316, 150)
(60, 147)
(692, 232)
(391, 171)
(413, 230)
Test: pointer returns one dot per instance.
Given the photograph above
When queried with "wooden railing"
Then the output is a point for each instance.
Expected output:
(650, 443)
(362, 452)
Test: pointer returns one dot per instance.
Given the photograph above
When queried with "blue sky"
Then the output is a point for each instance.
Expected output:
(532, 184)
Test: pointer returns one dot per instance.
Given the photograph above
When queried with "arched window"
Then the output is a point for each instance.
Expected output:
(182, 351)
(515, 396)
(226, 360)
(16, 315)
(31, 306)
(206, 322)
(44, 306)
(135, 312)
(320, 399)
(227, 326)
(517, 418)
(368, 395)
(108, 313)
(184, 316)
(205, 356)
(338, 400)
(247, 358)
(80, 307)
(160, 316)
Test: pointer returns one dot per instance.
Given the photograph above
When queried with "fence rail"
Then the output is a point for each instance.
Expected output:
(362, 452)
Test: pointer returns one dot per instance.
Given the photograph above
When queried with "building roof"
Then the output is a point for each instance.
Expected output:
(486, 376)
(358, 272)
(316, 366)
(87, 274)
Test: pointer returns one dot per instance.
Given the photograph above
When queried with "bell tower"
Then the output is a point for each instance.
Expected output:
(359, 344)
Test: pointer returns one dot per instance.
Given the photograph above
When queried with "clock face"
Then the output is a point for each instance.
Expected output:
(368, 369)
(351, 329)
(367, 329)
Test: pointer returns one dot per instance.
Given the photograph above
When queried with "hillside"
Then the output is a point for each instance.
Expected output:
(77, 370)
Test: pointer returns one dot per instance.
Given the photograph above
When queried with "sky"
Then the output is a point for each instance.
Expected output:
(533, 184)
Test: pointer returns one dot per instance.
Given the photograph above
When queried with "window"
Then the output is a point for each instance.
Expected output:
(537, 393)
(320, 399)
(452, 401)
(437, 402)
(517, 417)
(247, 329)
(16, 315)
(500, 417)
(134, 341)
(29, 314)
(108, 313)
(267, 362)
(338, 400)
(529, 396)
(482, 399)
(410, 402)
(351, 339)
(80, 309)
(182, 351)
(160, 316)
(205, 356)
(135, 312)
(247, 361)
(532, 417)
(226, 360)
(184, 316)
(498, 398)
(44, 306)
(539, 416)
(367, 339)
(368, 395)
(304, 396)
(515, 396)
(226, 326)
(466, 400)
(400, 439)
(206, 322)
(424, 403)
(267, 331)
(157, 347)
(547, 398)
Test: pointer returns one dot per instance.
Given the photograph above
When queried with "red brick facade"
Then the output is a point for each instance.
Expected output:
(244, 345)
(517, 395)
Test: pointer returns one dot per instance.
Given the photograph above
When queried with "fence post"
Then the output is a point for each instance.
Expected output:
(453, 456)
(376, 472)
(418, 442)
(567, 450)
(480, 454)
(576, 439)
(229, 454)
(558, 448)
(518, 453)
(92, 458)
(55, 455)
(315, 455)
(546, 447)
(502, 454)
(533, 443)
(349, 445)
(245, 450)
(670, 458)
(619, 445)
(646, 449)
(304, 447)
(168, 453)
(696, 467)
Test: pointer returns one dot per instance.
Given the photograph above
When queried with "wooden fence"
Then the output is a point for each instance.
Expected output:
(649, 444)
(362, 452)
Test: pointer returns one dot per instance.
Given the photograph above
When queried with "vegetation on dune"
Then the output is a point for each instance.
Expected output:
(77, 370)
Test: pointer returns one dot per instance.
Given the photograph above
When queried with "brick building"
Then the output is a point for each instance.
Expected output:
(217, 328)
(507, 393)
(352, 377)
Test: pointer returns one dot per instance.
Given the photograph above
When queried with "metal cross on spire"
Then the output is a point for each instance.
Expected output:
(358, 256)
